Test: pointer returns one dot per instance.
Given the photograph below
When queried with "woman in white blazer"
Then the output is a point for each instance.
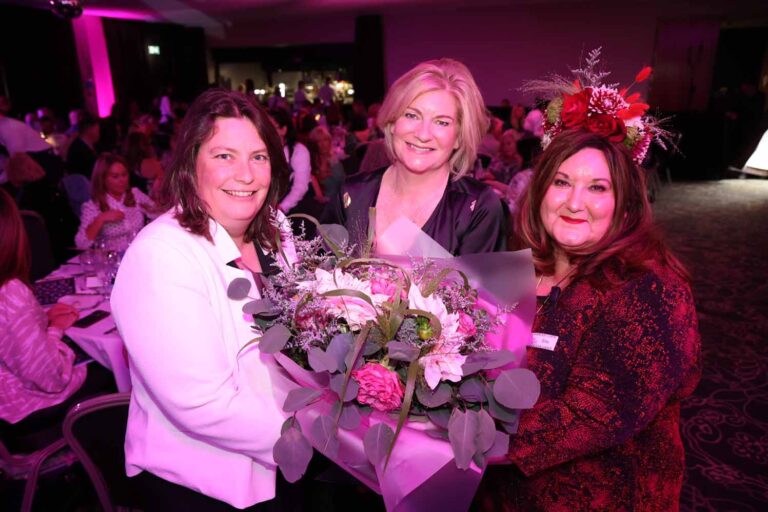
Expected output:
(204, 416)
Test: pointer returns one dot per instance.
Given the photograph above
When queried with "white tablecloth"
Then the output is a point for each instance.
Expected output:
(101, 340)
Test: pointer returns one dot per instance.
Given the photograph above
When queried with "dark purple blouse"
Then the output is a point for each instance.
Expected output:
(468, 219)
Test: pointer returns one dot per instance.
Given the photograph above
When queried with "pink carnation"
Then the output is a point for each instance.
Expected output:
(379, 387)
(466, 325)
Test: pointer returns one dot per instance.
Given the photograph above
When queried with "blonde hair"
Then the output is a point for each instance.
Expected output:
(440, 75)
(22, 169)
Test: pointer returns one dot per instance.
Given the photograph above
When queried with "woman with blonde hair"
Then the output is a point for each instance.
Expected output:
(433, 119)
(116, 212)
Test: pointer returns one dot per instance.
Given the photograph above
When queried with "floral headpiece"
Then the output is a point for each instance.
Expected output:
(588, 103)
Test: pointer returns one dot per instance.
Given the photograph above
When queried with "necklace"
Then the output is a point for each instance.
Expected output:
(554, 292)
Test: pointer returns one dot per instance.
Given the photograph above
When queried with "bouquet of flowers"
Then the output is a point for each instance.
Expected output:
(375, 345)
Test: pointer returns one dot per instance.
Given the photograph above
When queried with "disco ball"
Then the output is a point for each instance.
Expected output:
(67, 9)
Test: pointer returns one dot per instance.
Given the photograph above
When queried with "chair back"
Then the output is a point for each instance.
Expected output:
(30, 466)
(95, 430)
(43, 262)
(78, 190)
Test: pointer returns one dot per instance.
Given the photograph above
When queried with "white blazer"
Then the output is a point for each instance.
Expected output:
(202, 415)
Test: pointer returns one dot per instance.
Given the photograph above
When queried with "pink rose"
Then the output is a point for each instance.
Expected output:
(466, 325)
(379, 387)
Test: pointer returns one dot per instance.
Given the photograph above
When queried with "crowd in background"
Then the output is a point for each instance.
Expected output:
(47, 162)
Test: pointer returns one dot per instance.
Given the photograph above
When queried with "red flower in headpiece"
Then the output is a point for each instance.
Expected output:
(574, 111)
(643, 74)
(634, 110)
(607, 126)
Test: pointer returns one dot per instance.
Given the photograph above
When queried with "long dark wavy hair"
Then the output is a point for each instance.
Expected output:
(632, 241)
(15, 255)
(180, 182)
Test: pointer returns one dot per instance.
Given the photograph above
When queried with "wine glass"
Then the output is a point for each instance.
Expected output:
(107, 270)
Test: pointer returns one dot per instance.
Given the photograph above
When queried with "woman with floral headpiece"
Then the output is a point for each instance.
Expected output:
(616, 343)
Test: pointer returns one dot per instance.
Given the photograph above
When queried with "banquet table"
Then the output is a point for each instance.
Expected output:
(100, 340)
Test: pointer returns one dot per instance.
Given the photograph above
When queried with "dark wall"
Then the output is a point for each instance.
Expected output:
(368, 70)
(38, 61)
(136, 75)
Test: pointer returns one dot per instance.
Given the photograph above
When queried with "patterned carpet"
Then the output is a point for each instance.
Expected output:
(720, 230)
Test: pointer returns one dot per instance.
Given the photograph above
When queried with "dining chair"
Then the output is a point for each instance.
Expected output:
(43, 262)
(31, 466)
(78, 191)
(95, 431)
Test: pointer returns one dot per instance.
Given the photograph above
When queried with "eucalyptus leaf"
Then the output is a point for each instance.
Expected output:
(500, 446)
(334, 234)
(439, 417)
(238, 289)
(462, 429)
(371, 346)
(289, 423)
(320, 361)
(292, 453)
(517, 388)
(436, 398)
(377, 441)
(438, 434)
(497, 410)
(486, 431)
(259, 307)
(487, 361)
(348, 361)
(325, 436)
(274, 339)
(510, 427)
(400, 351)
(300, 397)
(473, 390)
(339, 347)
(350, 416)
(336, 383)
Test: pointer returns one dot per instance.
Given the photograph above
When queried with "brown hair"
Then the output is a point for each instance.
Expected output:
(99, 180)
(180, 182)
(632, 240)
(15, 255)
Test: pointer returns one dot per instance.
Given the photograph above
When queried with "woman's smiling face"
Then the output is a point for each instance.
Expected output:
(578, 206)
(426, 134)
(233, 173)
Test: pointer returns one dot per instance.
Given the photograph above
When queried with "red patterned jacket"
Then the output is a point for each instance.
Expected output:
(605, 434)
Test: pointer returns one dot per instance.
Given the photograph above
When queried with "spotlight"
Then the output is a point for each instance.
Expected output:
(67, 9)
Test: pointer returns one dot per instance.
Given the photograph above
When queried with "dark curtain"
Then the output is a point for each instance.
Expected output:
(139, 76)
(368, 69)
(38, 61)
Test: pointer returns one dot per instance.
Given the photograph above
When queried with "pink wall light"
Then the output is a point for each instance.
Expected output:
(94, 61)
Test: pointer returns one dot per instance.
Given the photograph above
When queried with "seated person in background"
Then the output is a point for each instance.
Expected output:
(81, 154)
(145, 169)
(327, 171)
(116, 212)
(298, 159)
(491, 141)
(38, 379)
(506, 164)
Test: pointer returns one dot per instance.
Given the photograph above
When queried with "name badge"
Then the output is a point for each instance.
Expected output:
(545, 341)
